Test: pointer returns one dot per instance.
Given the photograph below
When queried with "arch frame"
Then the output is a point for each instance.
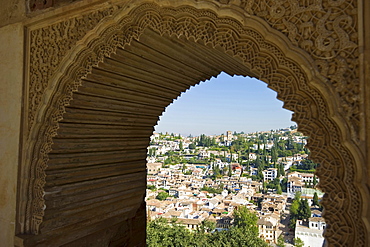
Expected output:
(335, 131)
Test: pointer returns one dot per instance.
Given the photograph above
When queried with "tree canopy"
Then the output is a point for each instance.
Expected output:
(299, 209)
(162, 196)
(244, 232)
(244, 218)
(280, 242)
(315, 201)
(298, 242)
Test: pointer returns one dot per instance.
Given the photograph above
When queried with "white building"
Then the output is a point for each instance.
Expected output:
(305, 177)
(153, 168)
(297, 180)
(252, 156)
(270, 174)
(311, 235)
(294, 185)
(253, 171)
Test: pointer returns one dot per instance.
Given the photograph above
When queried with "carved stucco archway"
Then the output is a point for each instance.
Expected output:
(306, 53)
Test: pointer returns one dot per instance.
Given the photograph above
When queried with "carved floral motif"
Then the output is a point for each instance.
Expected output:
(48, 47)
(325, 29)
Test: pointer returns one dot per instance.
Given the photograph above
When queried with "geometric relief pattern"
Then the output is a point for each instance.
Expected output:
(328, 30)
(325, 29)
(59, 38)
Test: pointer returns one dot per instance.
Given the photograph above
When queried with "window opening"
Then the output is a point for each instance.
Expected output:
(223, 146)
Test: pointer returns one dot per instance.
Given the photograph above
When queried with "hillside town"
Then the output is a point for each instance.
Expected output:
(205, 178)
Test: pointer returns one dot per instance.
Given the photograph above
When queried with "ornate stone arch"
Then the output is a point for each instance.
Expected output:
(308, 70)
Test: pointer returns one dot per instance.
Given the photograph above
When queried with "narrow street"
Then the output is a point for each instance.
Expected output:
(284, 227)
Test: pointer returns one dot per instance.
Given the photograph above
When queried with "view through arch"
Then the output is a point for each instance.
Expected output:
(183, 45)
(243, 103)
(199, 173)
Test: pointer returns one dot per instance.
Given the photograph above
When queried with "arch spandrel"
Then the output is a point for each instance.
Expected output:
(303, 82)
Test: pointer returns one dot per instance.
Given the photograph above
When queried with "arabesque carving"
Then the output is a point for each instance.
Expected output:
(58, 38)
(328, 31)
(325, 29)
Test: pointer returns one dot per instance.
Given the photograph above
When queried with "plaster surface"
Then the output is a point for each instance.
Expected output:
(12, 11)
(11, 70)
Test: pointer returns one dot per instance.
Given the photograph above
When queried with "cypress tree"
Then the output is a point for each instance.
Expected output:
(304, 210)
(278, 189)
(315, 201)
(314, 181)
(229, 173)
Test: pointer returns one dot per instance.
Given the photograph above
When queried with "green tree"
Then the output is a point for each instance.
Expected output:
(181, 146)
(151, 187)
(315, 201)
(304, 210)
(280, 242)
(307, 165)
(207, 226)
(297, 196)
(281, 169)
(314, 181)
(260, 168)
(192, 146)
(274, 154)
(278, 189)
(264, 187)
(235, 236)
(292, 222)
(298, 242)
(151, 152)
(162, 196)
(212, 190)
(283, 184)
(295, 210)
(243, 217)
(160, 233)
(216, 172)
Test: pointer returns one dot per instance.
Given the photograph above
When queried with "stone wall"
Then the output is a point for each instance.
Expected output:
(11, 78)
(12, 11)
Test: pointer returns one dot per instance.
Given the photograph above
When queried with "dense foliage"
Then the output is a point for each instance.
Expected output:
(304, 165)
(162, 196)
(244, 232)
(298, 242)
(299, 210)
(151, 187)
(213, 190)
(280, 242)
(315, 201)
(205, 141)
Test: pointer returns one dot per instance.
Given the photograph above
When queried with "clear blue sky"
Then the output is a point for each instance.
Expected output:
(225, 103)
